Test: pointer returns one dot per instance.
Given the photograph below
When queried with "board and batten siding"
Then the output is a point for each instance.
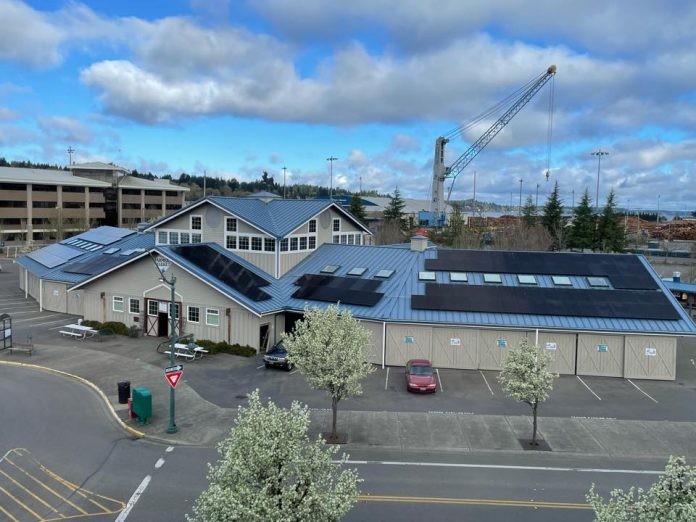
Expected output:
(600, 355)
(561, 347)
(374, 347)
(650, 357)
(55, 296)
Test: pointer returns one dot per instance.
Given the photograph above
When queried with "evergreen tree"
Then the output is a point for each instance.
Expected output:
(582, 234)
(529, 212)
(358, 209)
(611, 235)
(395, 211)
(553, 218)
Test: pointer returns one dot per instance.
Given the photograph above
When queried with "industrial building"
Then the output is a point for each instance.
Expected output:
(246, 268)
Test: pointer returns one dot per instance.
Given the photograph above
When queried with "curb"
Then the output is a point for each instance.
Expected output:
(90, 384)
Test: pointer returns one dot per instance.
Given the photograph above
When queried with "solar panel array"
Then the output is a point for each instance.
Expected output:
(619, 304)
(104, 235)
(348, 290)
(54, 255)
(226, 270)
(624, 271)
(93, 265)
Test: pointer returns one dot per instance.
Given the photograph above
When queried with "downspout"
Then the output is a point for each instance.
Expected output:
(26, 283)
(384, 343)
(40, 295)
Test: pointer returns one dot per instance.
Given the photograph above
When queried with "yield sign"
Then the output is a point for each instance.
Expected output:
(173, 374)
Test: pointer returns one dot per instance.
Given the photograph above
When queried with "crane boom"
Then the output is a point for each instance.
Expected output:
(442, 172)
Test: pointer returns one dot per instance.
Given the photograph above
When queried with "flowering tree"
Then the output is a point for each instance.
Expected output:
(270, 471)
(330, 348)
(671, 498)
(526, 378)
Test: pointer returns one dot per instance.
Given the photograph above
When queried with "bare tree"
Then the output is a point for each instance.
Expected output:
(520, 237)
(389, 232)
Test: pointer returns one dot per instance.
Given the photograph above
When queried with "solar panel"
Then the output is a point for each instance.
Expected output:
(105, 235)
(426, 276)
(526, 279)
(624, 304)
(319, 287)
(599, 282)
(225, 269)
(492, 278)
(624, 271)
(93, 265)
(54, 255)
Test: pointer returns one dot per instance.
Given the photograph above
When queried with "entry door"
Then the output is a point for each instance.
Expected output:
(263, 336)
(162, 324)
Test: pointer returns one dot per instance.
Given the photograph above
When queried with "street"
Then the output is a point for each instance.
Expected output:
(65, 431)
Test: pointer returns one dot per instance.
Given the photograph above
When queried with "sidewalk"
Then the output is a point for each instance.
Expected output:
(203, 423)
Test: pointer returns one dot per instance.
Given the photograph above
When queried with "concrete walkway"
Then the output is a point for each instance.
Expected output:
(203, 423)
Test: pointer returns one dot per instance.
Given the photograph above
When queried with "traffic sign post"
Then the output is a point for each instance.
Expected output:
(173, 374)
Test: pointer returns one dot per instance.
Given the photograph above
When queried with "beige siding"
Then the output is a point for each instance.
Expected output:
(562, 349)
(406, 342)
(22, 272)
(455, 348)
(650, 357)
(76, 302)
(33, 284)
(264, 261)
(374, 352)
(289, 259)
(495, 345)
(54, 297)
(592, 360)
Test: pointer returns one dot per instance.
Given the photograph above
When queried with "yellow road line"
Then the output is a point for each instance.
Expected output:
(8, 514)
(83, 492)
(474, 501)
(38, 517)
(30, 492)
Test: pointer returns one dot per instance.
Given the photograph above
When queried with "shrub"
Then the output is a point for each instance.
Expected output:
(224, 347)
(116, 327)
(93, 324)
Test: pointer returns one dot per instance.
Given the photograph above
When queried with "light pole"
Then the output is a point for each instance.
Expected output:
(172, 341)
(536, 201)
(599, 153)
(284, 178)
(519, 208)
(70, 153)
(331, 159)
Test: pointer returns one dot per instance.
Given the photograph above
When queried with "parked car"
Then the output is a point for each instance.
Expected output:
(278, 357)
(420, 376)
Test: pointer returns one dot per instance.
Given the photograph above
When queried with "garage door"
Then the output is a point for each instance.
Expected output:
(650, 357)
(561, 348)
(455, 348)
(601, 355)
(374, 350)
(408, 342)
(495, 345)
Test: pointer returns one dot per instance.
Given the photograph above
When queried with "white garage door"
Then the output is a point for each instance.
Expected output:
(455, 348)
(561, 347)
(601, 355)
(406, 342)
(650, 357)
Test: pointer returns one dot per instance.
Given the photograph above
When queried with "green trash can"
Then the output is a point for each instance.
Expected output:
(142, 404)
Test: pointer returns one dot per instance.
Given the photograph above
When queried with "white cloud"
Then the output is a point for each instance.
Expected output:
(28, 36)
(8, 114)
(65, 129)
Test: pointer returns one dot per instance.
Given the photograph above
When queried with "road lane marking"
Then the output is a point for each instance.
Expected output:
(22, 504)
(169, 449)
(9, 516)
(159, 463)
(386, 380)
(134, 498)
(641, 391)
(586, 386)
(29, 492)
(259, 367)
(475, 501)
(486, 381)
(502, 466)
(438, 380)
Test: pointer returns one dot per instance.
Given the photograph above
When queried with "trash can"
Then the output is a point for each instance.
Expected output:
(123, 392)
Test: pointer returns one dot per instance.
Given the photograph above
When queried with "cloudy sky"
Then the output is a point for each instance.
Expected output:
(239, 87)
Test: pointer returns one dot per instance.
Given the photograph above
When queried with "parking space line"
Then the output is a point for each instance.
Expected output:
(486, 381)
(641, 391)
(44, 317)
(29, 492)
(64, 320)
(134, 498)
(590, 389)
(9, 516)
(438, 380)
(258, 367)
(386, 380)
(20, 503)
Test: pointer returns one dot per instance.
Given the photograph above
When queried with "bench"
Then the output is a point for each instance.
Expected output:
(76, 335)
(181, 354)
(23, 348)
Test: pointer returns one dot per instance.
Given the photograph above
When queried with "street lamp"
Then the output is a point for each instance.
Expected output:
(172, 341)
(331, 159)
(599, 153)
(284, 178)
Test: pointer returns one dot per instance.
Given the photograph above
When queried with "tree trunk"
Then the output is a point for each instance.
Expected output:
(534, 431)
(334, 407)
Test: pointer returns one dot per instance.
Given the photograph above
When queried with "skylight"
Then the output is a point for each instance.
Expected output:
(526, 279)
(598, 282)
(458, 277)
(330, 269)
(357, 271)
(111, 250)
(492, 278)
(561, 281)
(426, 276)
(384, 274)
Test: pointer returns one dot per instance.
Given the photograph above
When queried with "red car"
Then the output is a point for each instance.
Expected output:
(420, 376)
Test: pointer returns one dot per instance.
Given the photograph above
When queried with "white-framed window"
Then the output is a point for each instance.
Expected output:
(243, 243)
(161, 238)
(284, 245)
(193, 314)
(256, 243)
(351, 239)
(312, 226)
(231, 242)
(184, 238)
(176, 310)
(336, 225)
(336, 238)
(152, 307)
(312, 242)
(344, 239)
(212, 317)
(117, 303)
(303, 243)
(173, 238)
(293, 243)
(196, 222)
(230, 224)
(196, 238)
(133, 306)
(268, 244)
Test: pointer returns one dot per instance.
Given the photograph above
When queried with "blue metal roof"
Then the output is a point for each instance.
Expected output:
(689, 288)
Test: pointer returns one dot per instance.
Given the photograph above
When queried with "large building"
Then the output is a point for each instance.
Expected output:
(34, 203)
(246, 268)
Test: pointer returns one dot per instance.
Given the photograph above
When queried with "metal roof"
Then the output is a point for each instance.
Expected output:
(149, 184)
(98, 165)
(689, 288)
(46, 177)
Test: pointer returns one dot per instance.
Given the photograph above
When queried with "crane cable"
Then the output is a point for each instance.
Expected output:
(549, 132)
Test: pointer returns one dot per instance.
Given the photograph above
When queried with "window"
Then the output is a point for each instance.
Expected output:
(303, 243)
(357, 271)
(293, 243)
(194, 314)
(384, 274)
(243, 243)
(256, 243)
(344, 239)
(358, 239)
(426, 276)
(312, 242)
(196, 222)
(526, 279)
(269, 245)
(283, 245)
(336, 238)
(134, 306)
(312, 226)
(231, 224)
(458, 277)
(330, 269)
(212, 317)
(196, 238)
(185, 238)
(598, 282)
(152, 307)
(336, 225)
(351, 239)
(173, 238)
(117, 304)
(176, 309)
(561, 280)
(492, 278)
(231, 242)
(161, 238)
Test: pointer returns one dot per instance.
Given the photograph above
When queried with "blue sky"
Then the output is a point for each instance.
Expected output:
(236, 88)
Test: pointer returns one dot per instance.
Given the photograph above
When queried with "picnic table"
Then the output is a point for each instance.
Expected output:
(78, 331)
(187, 351)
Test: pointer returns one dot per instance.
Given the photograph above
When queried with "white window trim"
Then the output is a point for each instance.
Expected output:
(130, 300)
(239, 235)
(148, 309)
(191, 222)
(178, 233)
(188, 314)
(114, 300)
(217, 313)
(333, 220)
(315, 226)
(236, 225)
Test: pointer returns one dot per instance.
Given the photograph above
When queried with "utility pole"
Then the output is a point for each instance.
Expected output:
(536, 201)
(519, 208)
(331, 159)
(284, 180)
(70, 153)
(599, 153)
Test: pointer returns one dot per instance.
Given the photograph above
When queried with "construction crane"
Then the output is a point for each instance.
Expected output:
(517, 100)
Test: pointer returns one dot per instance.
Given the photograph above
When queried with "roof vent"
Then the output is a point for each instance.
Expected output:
(676, 277)
(142, 226)
(419, 243)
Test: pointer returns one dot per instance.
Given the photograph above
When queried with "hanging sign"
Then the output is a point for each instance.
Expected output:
(650, 352)
(162, 263)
